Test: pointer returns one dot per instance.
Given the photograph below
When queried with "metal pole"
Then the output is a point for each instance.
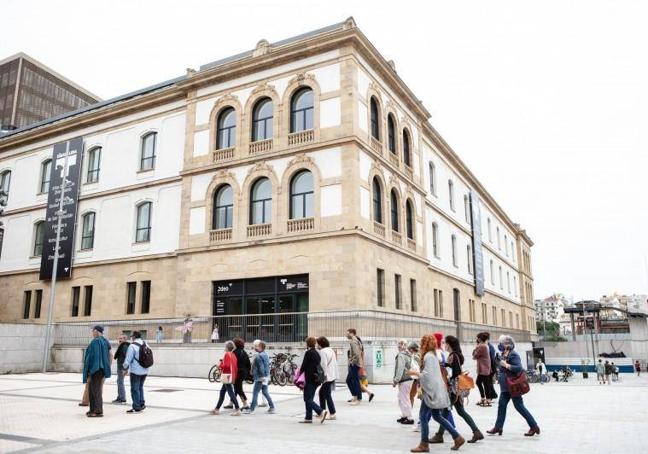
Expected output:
(544, 321)
(59, 215)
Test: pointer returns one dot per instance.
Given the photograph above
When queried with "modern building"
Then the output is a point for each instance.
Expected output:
(551, 309)
(299, 177)
(31, 92)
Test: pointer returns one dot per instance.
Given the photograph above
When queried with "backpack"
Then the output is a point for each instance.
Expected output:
(145, 356)
(321, 375)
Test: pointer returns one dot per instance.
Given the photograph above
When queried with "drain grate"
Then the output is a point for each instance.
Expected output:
(165, 390)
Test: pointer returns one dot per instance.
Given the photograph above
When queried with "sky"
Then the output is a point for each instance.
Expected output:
(547, 102)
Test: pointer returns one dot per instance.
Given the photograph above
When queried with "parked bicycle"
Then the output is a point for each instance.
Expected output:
(215, 372)
(282, 368)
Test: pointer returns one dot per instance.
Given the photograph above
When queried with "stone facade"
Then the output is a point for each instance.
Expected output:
(341, 245)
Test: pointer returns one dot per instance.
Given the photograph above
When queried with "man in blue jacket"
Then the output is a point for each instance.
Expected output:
(96, 368)
(137, 373)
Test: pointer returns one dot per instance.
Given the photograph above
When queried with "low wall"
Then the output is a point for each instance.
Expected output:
(21, 348)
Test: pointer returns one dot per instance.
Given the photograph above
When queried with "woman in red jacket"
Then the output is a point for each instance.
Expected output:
(229, 367)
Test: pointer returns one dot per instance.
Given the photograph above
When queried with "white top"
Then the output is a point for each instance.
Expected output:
(329, 363)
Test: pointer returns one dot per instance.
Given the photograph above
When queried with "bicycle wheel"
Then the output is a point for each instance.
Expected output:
(214, 374)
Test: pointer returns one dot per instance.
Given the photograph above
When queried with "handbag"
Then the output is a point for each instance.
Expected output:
(518, 385)
(226, 379)
(463, 385)
(300, 379)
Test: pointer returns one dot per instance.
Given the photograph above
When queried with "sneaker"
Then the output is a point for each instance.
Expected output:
(215, 411)
(401, 419)
(331, 417)
(408, 422)
(247, 411)
(322, 417)
(271, 411)
(263, 404)
(247, 407)
(132, 411)
(371, 396)
(118, 401)
(228, 406)
(306, 421)
(81, 404)
(236, 413)
(354, 402)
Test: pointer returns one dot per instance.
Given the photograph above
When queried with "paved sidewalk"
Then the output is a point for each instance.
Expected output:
(39, 413)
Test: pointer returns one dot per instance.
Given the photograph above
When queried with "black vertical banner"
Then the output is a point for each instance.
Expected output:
(478, 255)
(72, 151)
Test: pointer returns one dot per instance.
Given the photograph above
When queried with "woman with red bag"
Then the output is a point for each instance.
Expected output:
(229, 367)
(512, 386)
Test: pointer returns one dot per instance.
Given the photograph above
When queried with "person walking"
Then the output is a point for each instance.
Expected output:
(491, 395)
(85, 398)
(403, 381)
(120, 356)
(608, 371)
(215, 337)
(261, 377)
(229, 368)
(455, 361)
(637, 368)
(510, 365)
(309, 367)
(137, 372)
(481, 355)
(159, 335)
(96, 368)
(242, 373)
(442, 357)
(413, 349)
(330, 368)
(542, 371)
(354, 356)
(435, 396)
(600, 372)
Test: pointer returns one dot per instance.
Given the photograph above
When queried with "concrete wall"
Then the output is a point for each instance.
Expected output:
(21, 348)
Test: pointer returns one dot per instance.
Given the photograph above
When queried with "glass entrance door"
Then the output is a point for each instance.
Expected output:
(261, 318)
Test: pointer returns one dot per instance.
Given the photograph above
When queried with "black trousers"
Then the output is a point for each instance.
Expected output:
(490, 388)
(96, 392)
(238, 388)
(481, 380)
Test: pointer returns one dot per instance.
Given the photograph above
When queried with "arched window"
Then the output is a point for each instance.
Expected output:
(469, 256)
(39, 233)
(492, 273)
(406, 148)
(226, 130)
(88, 231)
(467, 208)
(453, 241)
(393, 199)
(432, 170)
(501, 280)
(451, 194)
(301, 110)
(46, 170)
(377, 201)
(490, 230)
(147, 159)
(499, 242)
(262, 120)
(391, 133)
(506, 244)
(375, 118)
(409, 220)
(5, 181)
(223, 208)
(435, 239)
(508, 282)
(301, 195)
(261, 202)
(143, 226)
(94, 161)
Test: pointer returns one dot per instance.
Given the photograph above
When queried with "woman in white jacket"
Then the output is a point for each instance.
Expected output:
(435, 396)
(330, 367)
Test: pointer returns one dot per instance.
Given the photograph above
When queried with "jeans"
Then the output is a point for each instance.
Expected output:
(461, 411)
(121, 389)
(311, 406)
(260, 387)
(137, 391)
(518, 403)
(229, 389)
(326, 398)
(96, 392)
(353, 381)
(424, 416)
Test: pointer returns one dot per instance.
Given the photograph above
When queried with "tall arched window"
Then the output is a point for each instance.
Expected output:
(391, 133)
(223, 208)
(453, 241)
(301, 195)
(492, 273)
(143, 226)
(262, 120)
(301, 110)
(375, 118)
(5, 181)
(501, 280)
(39, 233)
(409, 219)
(490, 230)
(451, 194)
(226, 129)
(432, 170)
(393, 202)
(499, 241)
(506, 244)
(88, 231)
(147, 153)
(377, 201)
(261, 202)
(46, 170)
(407, 159)
(94, 161)
(435, 239)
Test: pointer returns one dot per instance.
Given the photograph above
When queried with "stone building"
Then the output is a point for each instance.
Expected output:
(301, 176)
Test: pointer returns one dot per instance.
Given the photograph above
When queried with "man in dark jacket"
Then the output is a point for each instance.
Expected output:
(96, 367)
(243, 372)
(120, 356)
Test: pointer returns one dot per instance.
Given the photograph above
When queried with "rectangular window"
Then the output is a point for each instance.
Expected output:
(76, 293)
(469, 259)
(27, 304)
(484, 314)
(94, 160)
(432, 179)
(87, 300)
(143, 228)
(131, 288)
(380, 287)
(494, 315)
(510, 319)
(503, 317)
(471, 310)
(39, 302)
(87, 232)
(398, 291)
(413, 303)
(517, 321)
(146, 297)
(441, 303)
(436, 303)
(147, 161)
